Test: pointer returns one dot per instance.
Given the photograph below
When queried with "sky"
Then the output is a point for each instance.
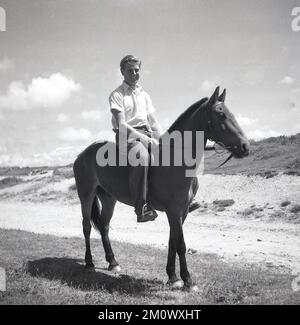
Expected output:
(59, 61)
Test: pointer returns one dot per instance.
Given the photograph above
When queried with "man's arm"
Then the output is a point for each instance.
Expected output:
(123, 127)
(155, 125)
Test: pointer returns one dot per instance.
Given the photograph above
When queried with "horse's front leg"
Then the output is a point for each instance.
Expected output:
(173, 281)
(177, 239)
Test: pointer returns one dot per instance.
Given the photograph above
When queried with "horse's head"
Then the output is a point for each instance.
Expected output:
(223, 127)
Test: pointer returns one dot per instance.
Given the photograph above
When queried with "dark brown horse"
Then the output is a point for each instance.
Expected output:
(169, 189)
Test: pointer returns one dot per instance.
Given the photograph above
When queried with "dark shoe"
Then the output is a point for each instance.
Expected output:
(194, 206)
(147, 214)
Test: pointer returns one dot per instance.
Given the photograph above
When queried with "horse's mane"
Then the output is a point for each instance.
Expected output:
(189, 111)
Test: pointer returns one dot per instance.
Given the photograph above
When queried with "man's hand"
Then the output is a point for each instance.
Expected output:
(155, 125)
(154, 143)
(146, 141)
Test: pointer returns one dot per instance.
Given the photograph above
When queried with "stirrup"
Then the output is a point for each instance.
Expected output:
(145, 215)
(143, 209)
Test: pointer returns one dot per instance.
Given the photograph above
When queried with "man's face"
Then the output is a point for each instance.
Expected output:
(131, 73)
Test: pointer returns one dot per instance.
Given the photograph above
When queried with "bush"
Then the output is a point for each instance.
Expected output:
(295, 208)
(66, 172)
(285, 203)
(10, 181)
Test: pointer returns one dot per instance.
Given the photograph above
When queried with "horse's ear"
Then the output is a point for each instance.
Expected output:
(214, 97)
(222, 96)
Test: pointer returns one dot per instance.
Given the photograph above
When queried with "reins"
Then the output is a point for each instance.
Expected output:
(216, 151)
(213, 137)
(227, 159)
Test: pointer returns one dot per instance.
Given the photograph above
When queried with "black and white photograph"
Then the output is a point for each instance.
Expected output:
(149, 155)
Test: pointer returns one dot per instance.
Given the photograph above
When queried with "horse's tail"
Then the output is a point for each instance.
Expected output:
(96, 215)
(102, 210)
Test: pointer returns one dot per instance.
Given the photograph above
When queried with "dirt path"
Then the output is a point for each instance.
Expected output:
(272, 244)
(256, 228)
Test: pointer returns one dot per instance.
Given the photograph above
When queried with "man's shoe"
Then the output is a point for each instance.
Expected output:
(147, 214)
(194, 206)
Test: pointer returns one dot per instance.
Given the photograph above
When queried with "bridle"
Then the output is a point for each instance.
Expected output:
(211, 135)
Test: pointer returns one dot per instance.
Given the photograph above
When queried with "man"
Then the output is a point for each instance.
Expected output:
(132, 111)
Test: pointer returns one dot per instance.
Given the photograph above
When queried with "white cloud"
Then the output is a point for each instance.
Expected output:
(6, 64)
(12, 160)
(61, 150)
(63, 155)
(91, 115)
(58, 156)
(71, 134)
(262, 133)
(287, 80)
(104, 135)
(49, 92)
(245, 121)
(62, 118)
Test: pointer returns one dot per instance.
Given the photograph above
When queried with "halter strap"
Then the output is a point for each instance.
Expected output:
(213, 137)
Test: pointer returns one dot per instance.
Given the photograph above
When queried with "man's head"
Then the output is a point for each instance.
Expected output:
(130, 67)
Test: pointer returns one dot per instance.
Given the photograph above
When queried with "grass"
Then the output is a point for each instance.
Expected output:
(267, 158)
(42, 269)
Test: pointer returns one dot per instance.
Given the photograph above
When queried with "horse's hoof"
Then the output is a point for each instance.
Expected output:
(178, 284)
(191, 288)
(114, 268)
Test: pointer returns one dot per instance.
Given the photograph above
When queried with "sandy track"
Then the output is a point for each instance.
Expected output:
(258, 237)
(270, 244)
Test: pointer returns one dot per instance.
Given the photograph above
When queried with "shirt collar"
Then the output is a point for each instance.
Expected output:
(127, 88)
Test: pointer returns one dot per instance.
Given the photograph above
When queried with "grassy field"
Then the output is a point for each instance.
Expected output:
(44, 269)
(267, 158)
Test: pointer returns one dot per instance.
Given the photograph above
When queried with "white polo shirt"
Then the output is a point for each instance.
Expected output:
(135, 103)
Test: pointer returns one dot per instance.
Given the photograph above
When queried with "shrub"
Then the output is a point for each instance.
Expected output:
(295, 208)
(285, 203)
(10, 181)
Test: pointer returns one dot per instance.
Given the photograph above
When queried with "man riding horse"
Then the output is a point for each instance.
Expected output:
(133, 118)
(100, 186)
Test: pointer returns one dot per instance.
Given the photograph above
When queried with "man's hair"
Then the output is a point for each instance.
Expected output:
(129, 59)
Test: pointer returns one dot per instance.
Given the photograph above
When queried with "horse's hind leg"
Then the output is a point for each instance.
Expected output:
(86, 208)
(102, 212)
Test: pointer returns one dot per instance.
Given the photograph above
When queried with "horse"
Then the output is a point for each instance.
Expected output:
(169, 190)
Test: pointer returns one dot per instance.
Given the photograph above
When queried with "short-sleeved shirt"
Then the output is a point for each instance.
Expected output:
(135, 103)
